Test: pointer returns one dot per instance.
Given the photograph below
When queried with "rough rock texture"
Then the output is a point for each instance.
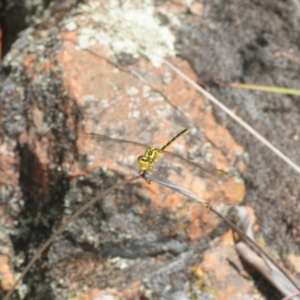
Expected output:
(16, 16)
(259, 39)
(96, 68)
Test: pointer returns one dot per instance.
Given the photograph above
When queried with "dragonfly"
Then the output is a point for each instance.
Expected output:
(152, 155)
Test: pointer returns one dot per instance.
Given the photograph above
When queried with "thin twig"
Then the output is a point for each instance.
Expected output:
(233, 116)
(288, 56)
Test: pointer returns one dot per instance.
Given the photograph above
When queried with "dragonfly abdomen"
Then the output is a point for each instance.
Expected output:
(180, 133)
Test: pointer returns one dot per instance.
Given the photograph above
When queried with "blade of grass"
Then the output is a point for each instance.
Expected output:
(264, 88)
(291, 296)
(185, 192)
(258, 248)
(245, 219)
(234, 116)
(64, 226)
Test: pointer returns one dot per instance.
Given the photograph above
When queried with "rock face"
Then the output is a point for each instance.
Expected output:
(97, 67)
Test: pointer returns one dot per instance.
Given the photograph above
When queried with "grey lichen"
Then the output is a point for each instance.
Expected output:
(129, 28)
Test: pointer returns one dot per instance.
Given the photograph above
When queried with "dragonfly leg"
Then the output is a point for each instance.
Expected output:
(143, 174)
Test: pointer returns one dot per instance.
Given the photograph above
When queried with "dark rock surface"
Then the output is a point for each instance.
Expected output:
(142, 242)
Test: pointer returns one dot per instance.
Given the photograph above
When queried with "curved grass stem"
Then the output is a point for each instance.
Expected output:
(64, 226)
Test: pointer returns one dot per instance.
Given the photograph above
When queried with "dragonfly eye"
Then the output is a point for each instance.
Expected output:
(143, 158)
(144, 163)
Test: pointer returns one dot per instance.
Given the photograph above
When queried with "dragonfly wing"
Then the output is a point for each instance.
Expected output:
(113, 152)
(202, 167)
(104, 138)
(101, 151)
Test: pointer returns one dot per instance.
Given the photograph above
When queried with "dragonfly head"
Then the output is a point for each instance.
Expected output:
(144, 163)
(150, 157)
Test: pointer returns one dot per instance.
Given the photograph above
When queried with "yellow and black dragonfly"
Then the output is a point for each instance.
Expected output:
(152, 155)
